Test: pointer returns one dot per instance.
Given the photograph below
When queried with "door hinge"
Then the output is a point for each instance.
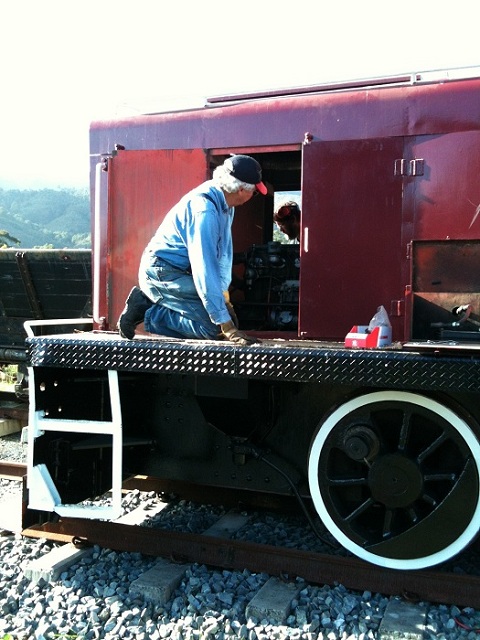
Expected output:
(403, 167)
(397, 308)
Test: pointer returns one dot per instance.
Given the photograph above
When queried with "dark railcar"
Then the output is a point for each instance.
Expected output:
(40, 284)
(383, 441)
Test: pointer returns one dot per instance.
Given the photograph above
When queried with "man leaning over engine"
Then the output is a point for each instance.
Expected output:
(186, 268)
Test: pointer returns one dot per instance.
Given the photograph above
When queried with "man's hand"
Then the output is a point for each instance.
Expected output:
(230, 309)
(231, 333)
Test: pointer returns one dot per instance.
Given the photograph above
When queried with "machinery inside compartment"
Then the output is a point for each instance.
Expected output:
(445, 288)
(270, 287)
(266, 270)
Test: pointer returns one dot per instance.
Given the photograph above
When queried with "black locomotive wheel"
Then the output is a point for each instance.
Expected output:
(394, 476)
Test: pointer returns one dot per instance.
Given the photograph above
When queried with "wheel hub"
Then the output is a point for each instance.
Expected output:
(395, 481)
(361, 443)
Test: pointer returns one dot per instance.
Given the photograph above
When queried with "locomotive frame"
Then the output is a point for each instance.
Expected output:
(384, 443)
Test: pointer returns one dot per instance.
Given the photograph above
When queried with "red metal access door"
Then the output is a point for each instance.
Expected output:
(445, 201)
(142, 187)
(353, 255)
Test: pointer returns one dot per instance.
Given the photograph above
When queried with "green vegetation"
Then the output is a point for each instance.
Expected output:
(6, 240)
(45, 218)
(8, 373)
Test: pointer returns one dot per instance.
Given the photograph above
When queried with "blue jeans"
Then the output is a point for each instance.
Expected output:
(178, 311)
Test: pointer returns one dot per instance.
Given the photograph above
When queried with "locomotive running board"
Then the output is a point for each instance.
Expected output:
(443, 345)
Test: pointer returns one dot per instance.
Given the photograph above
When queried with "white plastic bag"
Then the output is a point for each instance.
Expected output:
(380, 319)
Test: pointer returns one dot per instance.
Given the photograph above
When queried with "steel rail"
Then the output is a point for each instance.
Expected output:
(12, 470)
(317, 568)
(432, 586)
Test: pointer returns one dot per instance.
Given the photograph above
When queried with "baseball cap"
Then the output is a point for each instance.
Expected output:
(247, 170)
(286, 210)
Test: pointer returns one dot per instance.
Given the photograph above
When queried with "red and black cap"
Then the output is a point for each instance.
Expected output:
(286, 210)
(247, 170)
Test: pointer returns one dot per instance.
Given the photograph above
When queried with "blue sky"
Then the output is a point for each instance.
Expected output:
(68, 62)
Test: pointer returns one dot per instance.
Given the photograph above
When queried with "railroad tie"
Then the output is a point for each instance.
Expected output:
(50, 566)
(273, 601)
(402, 621)
(159, 582)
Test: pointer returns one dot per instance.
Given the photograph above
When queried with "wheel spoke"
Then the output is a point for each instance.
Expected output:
(432, 447)
(440, 477)
(347, 482)
(429, 500)
(412, 515)
(404, 431)
(387, 523)
(359, 510)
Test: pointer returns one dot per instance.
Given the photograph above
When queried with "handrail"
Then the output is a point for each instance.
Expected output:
(410, 78)
(29, 324)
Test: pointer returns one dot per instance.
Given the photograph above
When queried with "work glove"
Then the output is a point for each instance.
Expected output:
(230, 309)
(231, 333)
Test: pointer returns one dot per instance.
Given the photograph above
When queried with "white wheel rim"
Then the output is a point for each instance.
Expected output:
(313, 463)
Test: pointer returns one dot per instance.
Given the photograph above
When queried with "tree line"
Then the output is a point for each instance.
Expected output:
(45, 219)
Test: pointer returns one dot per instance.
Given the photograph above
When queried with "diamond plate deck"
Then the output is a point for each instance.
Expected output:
(282, 360)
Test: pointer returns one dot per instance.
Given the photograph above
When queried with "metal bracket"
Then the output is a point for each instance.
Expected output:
(407, 168)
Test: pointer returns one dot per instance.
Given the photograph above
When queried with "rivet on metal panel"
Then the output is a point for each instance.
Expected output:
(307, 138)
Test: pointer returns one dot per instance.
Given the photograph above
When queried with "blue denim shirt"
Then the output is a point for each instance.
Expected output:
(196, 235)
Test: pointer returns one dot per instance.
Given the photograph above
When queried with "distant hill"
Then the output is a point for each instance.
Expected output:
(45, 218)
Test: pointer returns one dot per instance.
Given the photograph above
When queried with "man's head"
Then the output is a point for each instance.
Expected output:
(241, 175)
(287, 218)
(247, 170)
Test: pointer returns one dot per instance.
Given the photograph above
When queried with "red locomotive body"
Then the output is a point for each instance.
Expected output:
(384, 441)
(378, 168)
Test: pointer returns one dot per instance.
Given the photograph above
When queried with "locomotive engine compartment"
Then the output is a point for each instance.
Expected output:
(266, 264)
(445, 289)
(270, 287)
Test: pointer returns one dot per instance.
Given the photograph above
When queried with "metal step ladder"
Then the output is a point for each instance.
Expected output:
(43, 495)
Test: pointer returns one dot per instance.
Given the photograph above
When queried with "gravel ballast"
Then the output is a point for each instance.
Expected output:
(93, 598)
